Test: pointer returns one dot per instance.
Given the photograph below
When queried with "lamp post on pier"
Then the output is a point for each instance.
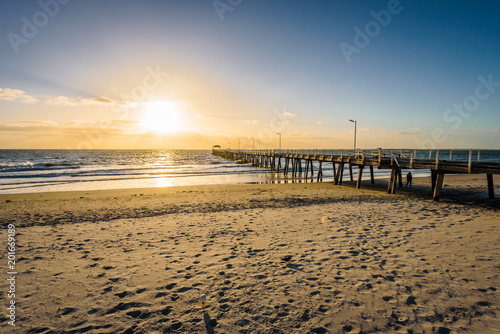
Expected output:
(355, 129)
(279, 134)
(253, 143)
(239, 142)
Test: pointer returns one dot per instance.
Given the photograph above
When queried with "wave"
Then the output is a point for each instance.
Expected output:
(117, 173)
(29, 166)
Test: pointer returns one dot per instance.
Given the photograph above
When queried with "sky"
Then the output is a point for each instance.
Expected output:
(178, 74)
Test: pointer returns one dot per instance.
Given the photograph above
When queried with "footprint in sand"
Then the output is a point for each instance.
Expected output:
(93, 311)
(166, 310)
(126, 306)
(139, 314)
(177, 325)
(67, 310)
(108, 289)
(124, 294)
(160, 294)
(387, 298)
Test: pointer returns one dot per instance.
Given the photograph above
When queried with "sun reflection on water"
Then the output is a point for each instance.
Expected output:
(163, 182)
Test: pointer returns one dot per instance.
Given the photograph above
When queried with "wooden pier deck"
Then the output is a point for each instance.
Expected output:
(300, 163)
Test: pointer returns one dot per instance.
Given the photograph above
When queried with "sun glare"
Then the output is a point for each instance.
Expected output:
(162, 117)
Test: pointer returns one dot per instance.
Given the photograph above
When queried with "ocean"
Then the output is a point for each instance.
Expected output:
(31, 171)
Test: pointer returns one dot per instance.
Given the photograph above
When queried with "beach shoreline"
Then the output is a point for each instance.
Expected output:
(75, 206)
(138, 260)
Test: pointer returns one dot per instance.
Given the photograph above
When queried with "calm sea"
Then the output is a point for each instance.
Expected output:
(28, 171)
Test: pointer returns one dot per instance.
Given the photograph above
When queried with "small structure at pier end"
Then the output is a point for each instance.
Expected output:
(216, 148)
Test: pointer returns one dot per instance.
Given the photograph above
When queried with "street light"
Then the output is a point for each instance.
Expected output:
(253, 143)
(239, 141)
(355, 129)
(279, 134)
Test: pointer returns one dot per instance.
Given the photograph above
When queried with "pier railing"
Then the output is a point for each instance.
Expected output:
(436, 155)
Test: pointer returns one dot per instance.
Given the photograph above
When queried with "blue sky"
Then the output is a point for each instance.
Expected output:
(247, 69)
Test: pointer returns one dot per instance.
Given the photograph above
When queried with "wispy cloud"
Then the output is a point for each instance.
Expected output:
(10, 94)
(23, 124)
(248, 121)
(320, 122)
(125, 121)
(78, 101)
(476, 130)
(102, 100)
(288, 114)
(398, 133)
(36, 122)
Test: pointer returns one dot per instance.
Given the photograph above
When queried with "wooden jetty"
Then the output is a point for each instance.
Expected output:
(300, 164)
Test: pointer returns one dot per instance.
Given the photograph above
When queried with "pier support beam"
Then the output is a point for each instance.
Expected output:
(336, 175)
(350, 172)
(491, 188)
(297, 167)
(392, 181)
(433, 179)
(439, 186)
(320, 171)
(360, 173)
(340, 173)
(371, 175)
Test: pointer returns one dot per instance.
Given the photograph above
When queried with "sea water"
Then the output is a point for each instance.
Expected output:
(28, 171)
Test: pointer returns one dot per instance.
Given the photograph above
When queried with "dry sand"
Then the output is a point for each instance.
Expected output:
(363, 261)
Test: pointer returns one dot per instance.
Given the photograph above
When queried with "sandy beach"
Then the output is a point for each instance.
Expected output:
(362, 261)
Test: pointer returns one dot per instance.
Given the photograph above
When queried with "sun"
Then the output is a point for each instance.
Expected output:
(162, 117)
